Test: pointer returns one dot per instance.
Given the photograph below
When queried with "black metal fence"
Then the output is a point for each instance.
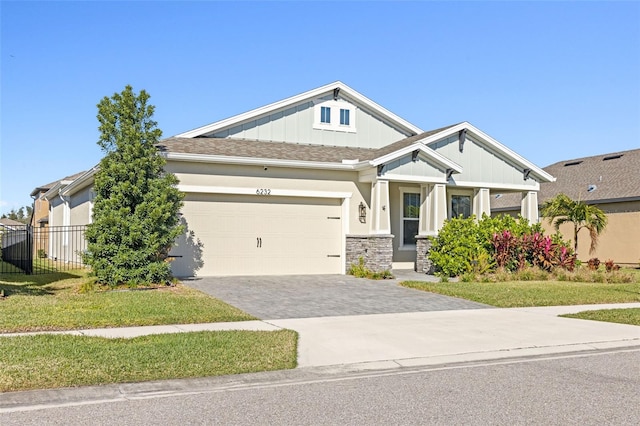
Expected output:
(30, 250)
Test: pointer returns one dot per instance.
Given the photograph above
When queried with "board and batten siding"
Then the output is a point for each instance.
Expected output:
(295, 125)
(479, 164)
(404, 166)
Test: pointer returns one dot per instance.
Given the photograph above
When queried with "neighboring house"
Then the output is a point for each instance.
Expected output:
(54, 243)
(610, 181)
(10, 224)
(40, 216)
(313, 183)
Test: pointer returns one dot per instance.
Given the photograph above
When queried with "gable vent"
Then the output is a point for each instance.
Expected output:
(612, 157)
(572, 163)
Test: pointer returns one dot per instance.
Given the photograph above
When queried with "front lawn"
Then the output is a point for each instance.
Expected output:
(52, 302)
(50, 361)
(621, 316)
(512, 294)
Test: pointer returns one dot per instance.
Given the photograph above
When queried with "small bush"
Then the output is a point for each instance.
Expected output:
(610, 266)
(361, 271)
(593, 263)
(41, 254)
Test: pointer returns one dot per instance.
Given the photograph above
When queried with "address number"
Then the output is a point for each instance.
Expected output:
(263, 191)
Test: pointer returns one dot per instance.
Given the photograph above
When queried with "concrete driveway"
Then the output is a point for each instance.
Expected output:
(311, 296)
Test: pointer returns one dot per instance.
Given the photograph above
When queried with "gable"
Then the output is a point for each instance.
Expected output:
(351, 120)
(421, 169)
(480, 163)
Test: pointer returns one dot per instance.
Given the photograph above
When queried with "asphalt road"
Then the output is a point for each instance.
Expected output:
(586, 389)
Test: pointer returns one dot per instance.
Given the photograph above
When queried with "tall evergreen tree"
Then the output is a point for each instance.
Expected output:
(135, 213)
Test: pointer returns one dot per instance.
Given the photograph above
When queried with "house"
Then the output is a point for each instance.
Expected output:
(610, 181)
(313, 183)
(55, 243)
(10, 224)
(40, 216)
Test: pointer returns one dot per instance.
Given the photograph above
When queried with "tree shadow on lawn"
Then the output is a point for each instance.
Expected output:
(32, 285)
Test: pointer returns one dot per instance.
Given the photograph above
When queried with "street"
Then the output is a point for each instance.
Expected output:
(582, 388)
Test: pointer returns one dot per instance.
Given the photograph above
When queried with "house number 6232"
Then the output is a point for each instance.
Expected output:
(263, 191)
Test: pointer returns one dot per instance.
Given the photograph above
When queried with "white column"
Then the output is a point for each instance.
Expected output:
(424, 225)
(529, 206)
(439, 206)
(481, 202)
(380, 218)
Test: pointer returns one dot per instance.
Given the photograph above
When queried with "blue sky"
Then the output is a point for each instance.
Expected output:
(551, 80)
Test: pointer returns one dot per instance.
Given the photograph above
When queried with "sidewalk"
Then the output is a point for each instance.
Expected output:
(334, 346)
(382, 341)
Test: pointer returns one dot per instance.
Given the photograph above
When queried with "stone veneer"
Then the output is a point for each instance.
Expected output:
(423, 263)
(376, 250)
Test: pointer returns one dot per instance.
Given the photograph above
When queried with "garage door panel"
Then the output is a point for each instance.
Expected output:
(275, 235)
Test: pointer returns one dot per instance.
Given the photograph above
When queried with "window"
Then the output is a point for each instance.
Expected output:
(410, 218)
(344, 117)
(325, 114)
(460, 206)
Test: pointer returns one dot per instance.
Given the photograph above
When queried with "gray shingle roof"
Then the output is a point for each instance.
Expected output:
(283, 150)
(613, 176)
(48, 186)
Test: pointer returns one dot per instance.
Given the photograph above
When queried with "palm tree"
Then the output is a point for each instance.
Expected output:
(561, 209)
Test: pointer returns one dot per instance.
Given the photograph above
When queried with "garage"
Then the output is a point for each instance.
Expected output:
(259, 235)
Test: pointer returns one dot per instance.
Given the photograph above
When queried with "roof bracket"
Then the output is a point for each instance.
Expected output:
(414, 155)
(336, 91)
(526, 173)
(449, 173)
(380, 169)
(462, 137)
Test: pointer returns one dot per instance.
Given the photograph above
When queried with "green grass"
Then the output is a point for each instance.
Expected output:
(622, 316)
(511, 294)
(51, 361)
(52, 302)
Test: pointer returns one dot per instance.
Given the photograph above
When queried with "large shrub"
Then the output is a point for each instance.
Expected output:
(477, 246)
(135, 215)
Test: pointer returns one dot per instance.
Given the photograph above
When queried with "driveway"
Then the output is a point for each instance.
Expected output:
(311, 296)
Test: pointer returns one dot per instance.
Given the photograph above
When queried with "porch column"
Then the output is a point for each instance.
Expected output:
(380, 218)
(438, 206)
(481, 204)
(529, 206)
(424, 223)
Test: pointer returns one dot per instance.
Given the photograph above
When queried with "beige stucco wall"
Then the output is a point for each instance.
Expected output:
(619, 242)
(218, 175)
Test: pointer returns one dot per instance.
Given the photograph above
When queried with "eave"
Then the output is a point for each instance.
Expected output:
(345, 91)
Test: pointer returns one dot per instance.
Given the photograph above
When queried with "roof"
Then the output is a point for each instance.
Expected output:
(6, 222)
(600, 178)
(48, 186)
(268, 150)
(345, 91)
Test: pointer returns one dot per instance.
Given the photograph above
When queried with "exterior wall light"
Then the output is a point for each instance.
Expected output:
(362, 212)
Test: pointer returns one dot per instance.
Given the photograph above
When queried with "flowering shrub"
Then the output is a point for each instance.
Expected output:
(593, 263)
(515, 253)
(610, 266)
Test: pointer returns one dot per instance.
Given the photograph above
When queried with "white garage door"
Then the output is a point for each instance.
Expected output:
(242, 235)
